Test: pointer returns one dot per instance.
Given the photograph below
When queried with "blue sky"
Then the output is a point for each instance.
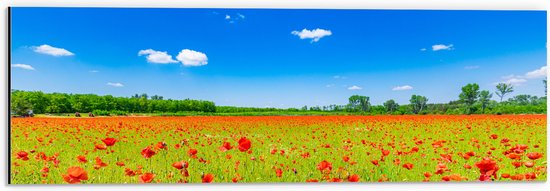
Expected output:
(276, 58)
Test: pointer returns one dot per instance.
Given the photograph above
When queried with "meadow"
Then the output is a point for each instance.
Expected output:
(245, 149)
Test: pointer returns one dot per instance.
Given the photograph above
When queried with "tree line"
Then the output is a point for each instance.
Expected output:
(471, 100)
(23, 102)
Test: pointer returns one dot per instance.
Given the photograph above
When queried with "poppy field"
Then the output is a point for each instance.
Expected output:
(209, 149)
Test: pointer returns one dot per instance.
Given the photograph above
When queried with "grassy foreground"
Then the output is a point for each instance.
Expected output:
(278, 149)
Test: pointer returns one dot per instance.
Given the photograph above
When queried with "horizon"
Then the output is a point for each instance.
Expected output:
(276, 58)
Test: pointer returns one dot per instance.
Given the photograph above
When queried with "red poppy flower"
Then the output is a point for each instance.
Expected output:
(408, 166)
(75, 174)
(99, 163)
(192, 152)
(120, 163)
(529, 164)
(180, 165)
(109, 141)
(100, 147)
(146, 177)
(81, 159)
(487, 167)
(312, 180)
(324, 166)
(147, 152)
(279, 172)
(244, 144)
(534, 155)
(353, 178)
(161, 145)
(226, 146)
(207, 178)
(23, 155)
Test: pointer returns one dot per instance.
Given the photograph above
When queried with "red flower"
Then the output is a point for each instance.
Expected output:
(244, 144)
(147, 152)
(226, 146)
(146, 178)
(75, 175)
(324, 166)
(81, 159)
(487, 167)
(23, 155)
(345, 158)
(279, 172)
(109, 141)
(192, 152)
(312, 180)
(180, 165)
(100, 147)
(161, 145)
(99, 163)
(408, 166)
(353, 178)
(207, 178)
(120, 163)
(534, 156)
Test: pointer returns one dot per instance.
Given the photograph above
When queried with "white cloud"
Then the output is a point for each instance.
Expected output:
(514, 81)
(241, 15)
(518, 80)
(115, 84)
(93, 71)
(227, 17)
(315, 34)
(401, 88)
(157, 57)
(355, 88)
(538, 73)
(471, 67)
(23, 66)
(439, 47)
(192, 58)
(50, 50)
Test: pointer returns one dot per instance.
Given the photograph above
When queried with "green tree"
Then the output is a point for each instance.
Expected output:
(19, 105)
(391, 106)
(359, 103)
(469, 95)
(484, 98)
(503, 89)
(545, 84)
(418, 103)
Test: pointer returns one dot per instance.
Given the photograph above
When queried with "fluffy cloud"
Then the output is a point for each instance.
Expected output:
(50, 50)
(401, 88)
(538, 73)
(157, 57)
(355, 88)
(115, 84)
(518, 80)
(514, 81)
(192, 58)
(439, 47)
(23, 66)
(227, 17)
(315, 34)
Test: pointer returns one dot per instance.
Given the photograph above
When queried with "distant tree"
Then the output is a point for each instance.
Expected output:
(545, 84)
(19, 105)
(503, 89)
(391, 106)
(484, 98)
(418, 103)
(359, 103)
(469, 95)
